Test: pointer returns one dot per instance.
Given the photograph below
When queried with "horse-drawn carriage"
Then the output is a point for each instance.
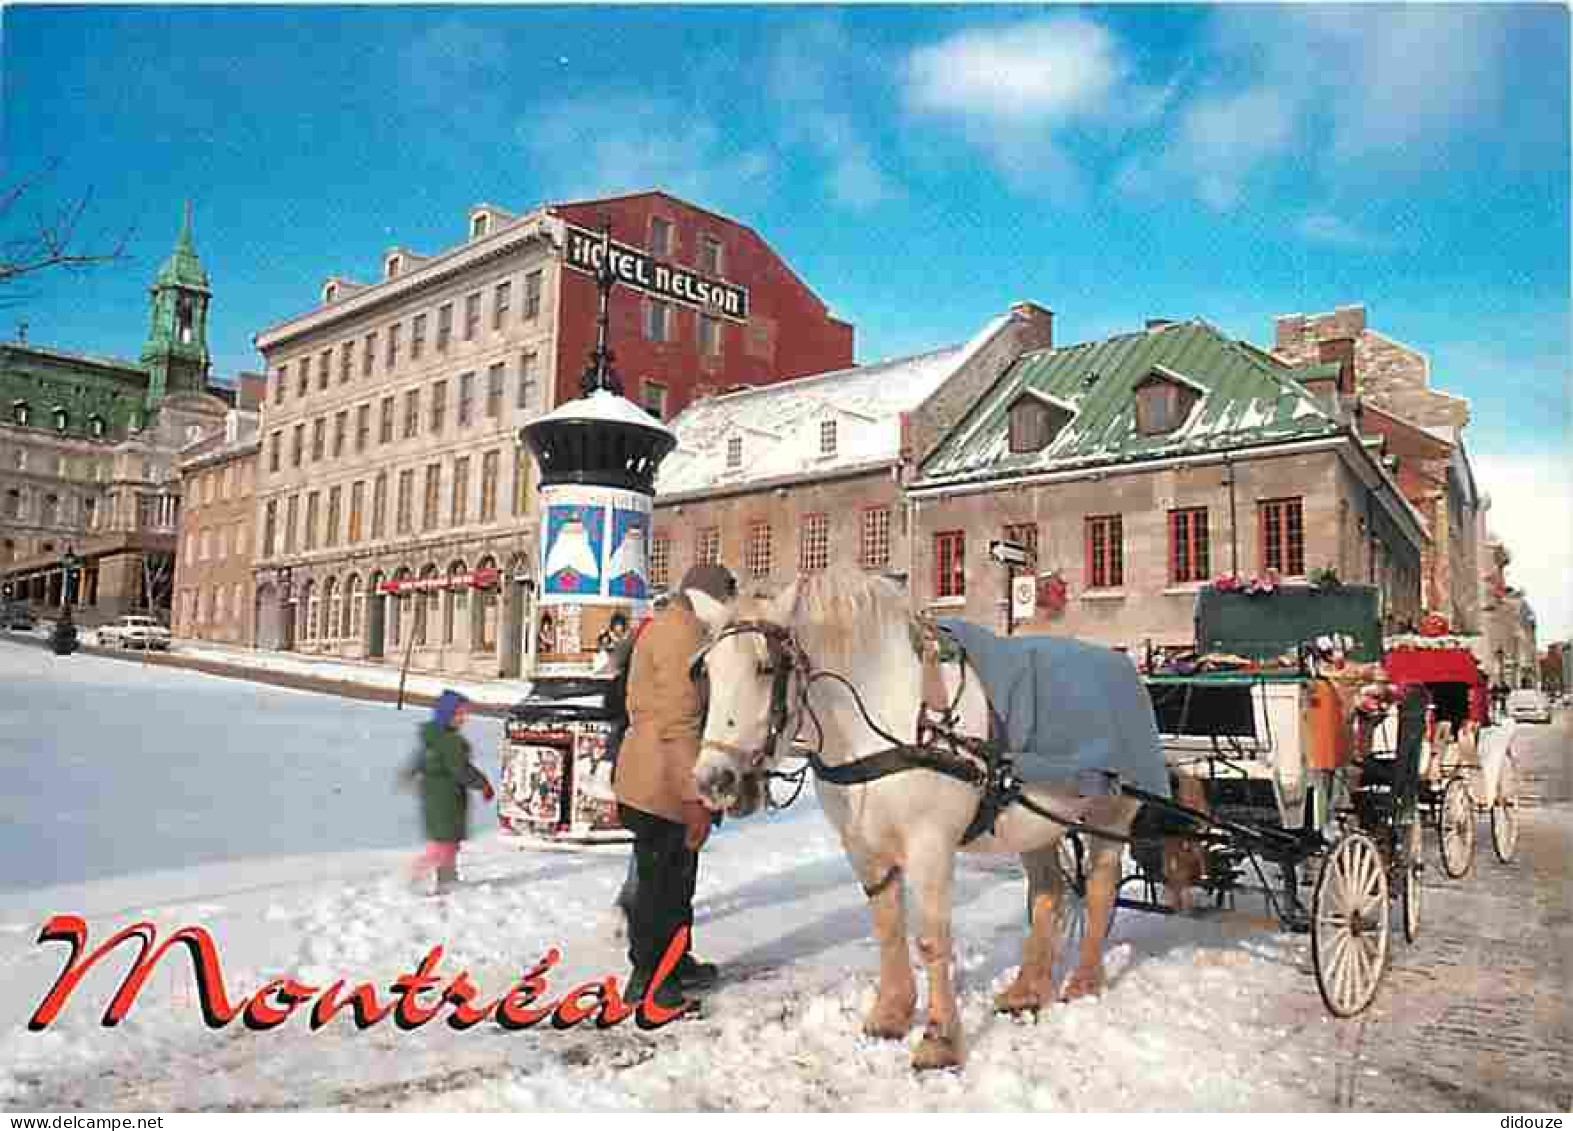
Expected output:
(1467, 766)
(918, 756)
(1273, 727)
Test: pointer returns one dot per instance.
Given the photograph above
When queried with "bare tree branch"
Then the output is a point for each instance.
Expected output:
(51, 237)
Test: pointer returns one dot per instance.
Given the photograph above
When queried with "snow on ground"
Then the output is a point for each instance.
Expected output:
(271, 818)
(500, 693)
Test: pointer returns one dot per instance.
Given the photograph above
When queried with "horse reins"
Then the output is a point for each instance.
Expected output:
(974, 761)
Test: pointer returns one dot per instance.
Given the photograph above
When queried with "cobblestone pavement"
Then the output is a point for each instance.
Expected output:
(1477, 1015)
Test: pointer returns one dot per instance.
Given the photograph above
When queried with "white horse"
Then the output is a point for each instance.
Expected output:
(907, 823)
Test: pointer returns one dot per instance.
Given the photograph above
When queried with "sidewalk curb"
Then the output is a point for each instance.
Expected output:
(344, 689)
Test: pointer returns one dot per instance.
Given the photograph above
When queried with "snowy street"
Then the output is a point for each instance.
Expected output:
(272, 818)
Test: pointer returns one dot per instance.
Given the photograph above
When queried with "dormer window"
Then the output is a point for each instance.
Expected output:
(394, 264)
(1163, 402)
(734, 452)
(480, 224)
(827, 437)
(1035, 420)
(330, 293)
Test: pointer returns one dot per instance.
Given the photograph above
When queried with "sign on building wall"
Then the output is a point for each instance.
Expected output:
(1024, 597)
(638, 269)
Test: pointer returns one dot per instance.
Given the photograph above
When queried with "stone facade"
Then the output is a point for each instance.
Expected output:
(88, 450)
(214, 597)
(1150, 604)
(790, 505)
(1423, 427)
(389, 432)
(1508, 626)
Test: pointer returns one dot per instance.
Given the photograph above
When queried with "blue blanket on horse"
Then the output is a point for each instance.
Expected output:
(1067, 709)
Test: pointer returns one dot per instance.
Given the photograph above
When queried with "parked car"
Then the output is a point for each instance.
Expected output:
(134, 632)
(18, 617)
(1527, 705)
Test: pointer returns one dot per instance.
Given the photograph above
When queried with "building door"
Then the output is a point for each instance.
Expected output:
(376, 619)
(270, 619)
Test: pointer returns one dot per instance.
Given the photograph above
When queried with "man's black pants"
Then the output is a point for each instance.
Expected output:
(664, 896)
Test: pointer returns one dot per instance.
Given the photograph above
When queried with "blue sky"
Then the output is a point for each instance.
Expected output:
(921, 167)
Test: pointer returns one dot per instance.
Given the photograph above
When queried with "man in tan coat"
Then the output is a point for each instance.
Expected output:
(656, 795)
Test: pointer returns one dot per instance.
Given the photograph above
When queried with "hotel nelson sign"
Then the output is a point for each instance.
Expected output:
(665, 280)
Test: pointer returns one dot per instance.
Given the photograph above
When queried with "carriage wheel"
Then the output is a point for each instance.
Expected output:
(1411, 881)
(1349, 925)
(1457, 826)
(1504, 814)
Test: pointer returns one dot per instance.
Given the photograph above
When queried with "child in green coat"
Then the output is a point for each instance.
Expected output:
(445, 775)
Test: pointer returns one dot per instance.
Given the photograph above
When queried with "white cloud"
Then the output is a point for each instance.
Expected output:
(626, 143)
(1044, 70)
(1324, 227)
(1021, 93)
(807, 86)
(1531, 504)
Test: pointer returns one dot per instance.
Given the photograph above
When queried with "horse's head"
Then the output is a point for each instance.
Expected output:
(754, 667)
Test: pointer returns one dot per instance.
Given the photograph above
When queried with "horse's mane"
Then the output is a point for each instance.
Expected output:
(837, 610)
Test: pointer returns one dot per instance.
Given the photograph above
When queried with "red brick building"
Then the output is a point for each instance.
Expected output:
(775, 328)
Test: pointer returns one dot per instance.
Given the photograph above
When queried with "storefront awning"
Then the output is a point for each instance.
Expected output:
(471, 579)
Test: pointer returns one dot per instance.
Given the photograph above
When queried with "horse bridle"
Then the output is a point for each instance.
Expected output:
(785, 657)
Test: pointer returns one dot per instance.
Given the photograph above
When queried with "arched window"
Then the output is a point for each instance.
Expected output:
(458, 607)
(488, 610)
(20, 413)
(426, 603)
(396, 607)
(62, 419)
(95, 426)
(354, 608)
(311, 603)
(330, 627)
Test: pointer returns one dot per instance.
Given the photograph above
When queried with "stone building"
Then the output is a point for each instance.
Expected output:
(1137, 468)
(213, 576)
(796, 476)
(88, 447)
(1508, 647)
(395, 505)
(1388, 394)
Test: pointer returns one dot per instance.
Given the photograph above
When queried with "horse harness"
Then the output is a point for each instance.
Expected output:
(940, 747)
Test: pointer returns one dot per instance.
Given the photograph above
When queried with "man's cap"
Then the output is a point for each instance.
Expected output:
(712, 580)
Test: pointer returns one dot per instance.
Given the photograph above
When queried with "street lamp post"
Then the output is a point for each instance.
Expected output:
(64, 639)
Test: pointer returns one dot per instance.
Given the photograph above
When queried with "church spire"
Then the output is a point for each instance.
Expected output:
(176, 353)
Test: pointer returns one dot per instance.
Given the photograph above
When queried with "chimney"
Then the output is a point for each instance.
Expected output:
(1342, 351)
(1288, 330)
(1040, 323)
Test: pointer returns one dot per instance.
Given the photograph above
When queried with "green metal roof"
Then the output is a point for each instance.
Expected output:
(1249, 400)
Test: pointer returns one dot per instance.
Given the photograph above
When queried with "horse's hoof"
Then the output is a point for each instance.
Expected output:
(1014, 1002)
(886, 1029)
(935, 1051)
(1082, 985)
